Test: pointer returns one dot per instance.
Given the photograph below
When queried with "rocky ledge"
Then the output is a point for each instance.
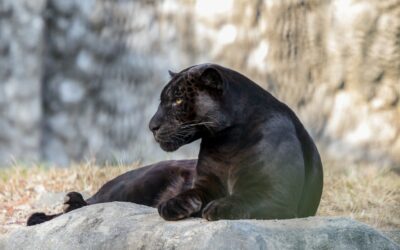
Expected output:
(120, 225)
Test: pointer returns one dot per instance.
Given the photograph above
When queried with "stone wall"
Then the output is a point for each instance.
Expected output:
(105, 65)
(21, 43)
(337, 63)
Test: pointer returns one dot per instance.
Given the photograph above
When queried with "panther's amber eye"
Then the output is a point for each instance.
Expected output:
(178, 101)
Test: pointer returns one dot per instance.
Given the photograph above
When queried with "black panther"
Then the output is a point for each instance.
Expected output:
(256, 159)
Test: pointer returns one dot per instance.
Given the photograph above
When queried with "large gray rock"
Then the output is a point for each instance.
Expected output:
(128, 226)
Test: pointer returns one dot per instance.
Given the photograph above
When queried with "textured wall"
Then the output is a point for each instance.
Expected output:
(105, 65)
(341, 65)
(21, 28)
(337, 63)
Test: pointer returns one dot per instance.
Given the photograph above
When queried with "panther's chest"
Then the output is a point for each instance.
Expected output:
(228, 178)
(230, 181)
(224, 171)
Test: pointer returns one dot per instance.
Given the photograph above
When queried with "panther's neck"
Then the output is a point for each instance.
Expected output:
(233, 140)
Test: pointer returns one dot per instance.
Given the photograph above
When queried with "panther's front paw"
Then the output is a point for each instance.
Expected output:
(72, 201)
(223, 209)
(179, 208)
(212, 211)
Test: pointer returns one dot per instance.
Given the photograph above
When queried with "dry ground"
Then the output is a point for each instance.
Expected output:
(366, 193)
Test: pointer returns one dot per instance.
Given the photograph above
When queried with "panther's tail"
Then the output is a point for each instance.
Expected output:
(72, 201)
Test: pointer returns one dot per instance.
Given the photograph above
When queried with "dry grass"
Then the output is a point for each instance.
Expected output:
(366, 193)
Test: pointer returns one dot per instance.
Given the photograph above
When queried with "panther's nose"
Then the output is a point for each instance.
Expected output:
(154, 126)
(156, 120)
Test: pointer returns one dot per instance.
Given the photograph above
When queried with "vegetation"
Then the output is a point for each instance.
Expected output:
(363, 192)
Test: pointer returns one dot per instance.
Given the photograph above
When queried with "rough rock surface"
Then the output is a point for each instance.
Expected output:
(92, 92)
(129, 226)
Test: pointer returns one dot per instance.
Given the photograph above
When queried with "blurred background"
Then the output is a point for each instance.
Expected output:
(80, 79)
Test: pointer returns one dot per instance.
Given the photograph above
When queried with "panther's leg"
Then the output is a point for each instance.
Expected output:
(72, 201)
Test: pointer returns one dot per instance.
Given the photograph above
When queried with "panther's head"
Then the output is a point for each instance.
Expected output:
(191, 107)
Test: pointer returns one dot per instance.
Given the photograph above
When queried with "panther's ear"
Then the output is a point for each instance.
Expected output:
(172, 74)
(212, 79)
